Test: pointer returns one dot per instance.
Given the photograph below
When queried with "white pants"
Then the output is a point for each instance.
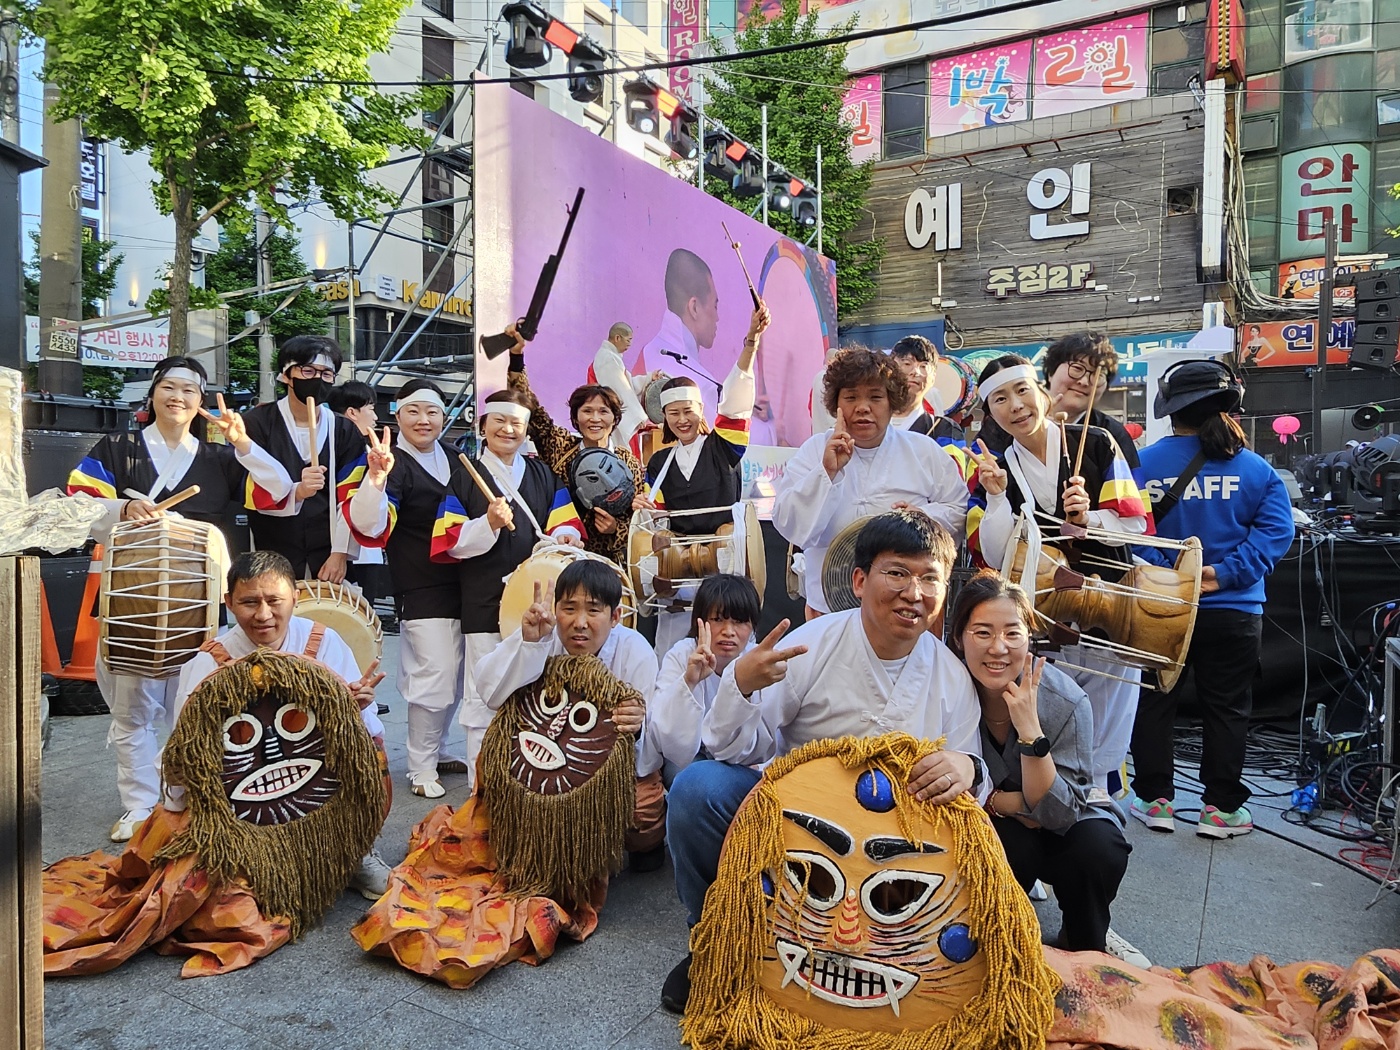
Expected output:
(140, 710)
(430, 679)
(1114, 704)
(671, 627)
(476, 716)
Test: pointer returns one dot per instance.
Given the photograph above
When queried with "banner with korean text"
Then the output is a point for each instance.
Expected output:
(979, 89)
(862, 108)
(1091, 66)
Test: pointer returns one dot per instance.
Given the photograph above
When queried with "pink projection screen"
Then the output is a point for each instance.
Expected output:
(529, 164)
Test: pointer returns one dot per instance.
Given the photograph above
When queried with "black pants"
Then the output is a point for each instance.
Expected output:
(1223, 657)
(1085, 865)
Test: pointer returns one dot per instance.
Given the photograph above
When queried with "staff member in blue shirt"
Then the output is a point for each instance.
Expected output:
(1237, 505)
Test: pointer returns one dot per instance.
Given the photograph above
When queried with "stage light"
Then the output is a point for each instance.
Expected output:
(683, 136)
(749, 181)
(723, 152)
(804, 207)
(586, 59)
(643, 112)
(528, 46)
(782, 189)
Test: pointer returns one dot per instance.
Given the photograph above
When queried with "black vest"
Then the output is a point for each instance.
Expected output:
(714, 483)
(423, 589)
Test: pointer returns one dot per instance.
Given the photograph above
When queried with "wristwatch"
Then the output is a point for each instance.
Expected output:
(1039, 747)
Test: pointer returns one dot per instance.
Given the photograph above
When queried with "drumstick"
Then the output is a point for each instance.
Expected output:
(1084, 434)
(481, 484)
(753, 294)
(311, 421)
(1060, 418)
(179, 497)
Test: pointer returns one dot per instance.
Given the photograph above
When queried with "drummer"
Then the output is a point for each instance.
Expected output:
(1033, 476)
(399, 506)
(315, 541)
(479, 532)
(595, 412)
(700, 469)
(862, 466)
(129, 473)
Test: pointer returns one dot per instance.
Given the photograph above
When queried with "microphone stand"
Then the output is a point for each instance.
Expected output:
(681, 359)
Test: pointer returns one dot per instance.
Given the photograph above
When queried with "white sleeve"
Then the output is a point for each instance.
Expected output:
(340, 658)
(369, 510)
(612, 373)
(806, 498)
(736, 398)
(200, 667)
(1109, 521)
(341, 540)
(512, 664)
(744, 731)
(101, 530)
(947, 500)
(639, 667)
(269, 474)
(476, 538)
(675, 713)
(994, 530)
(961, 728)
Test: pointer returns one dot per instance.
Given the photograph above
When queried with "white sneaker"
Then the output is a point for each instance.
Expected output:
(426, 785)
(372, 879)
(1116, 946)
(127, 824)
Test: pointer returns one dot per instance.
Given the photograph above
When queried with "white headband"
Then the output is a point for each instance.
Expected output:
(420, 397)
(684, 392)
(323, 361)
(187, 374)
(1005, 377)
(506, 408)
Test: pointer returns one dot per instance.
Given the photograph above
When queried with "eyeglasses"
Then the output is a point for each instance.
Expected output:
(900, 579)
(1014, 638)
(312, 372)
(1078, 370)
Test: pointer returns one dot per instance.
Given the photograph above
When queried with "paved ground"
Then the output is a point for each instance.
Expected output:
(1185, 901)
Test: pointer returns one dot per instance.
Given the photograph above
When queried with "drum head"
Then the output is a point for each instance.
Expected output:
(347, 614)
(753, 550)
(639, 535)
(837, 567)
(544, 567)
(950, 383)
(651, 401)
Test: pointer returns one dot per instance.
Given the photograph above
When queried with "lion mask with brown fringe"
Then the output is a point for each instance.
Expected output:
(559, 780)
(282, 782)
(848, 915)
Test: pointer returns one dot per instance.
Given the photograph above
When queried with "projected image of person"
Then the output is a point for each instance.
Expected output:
(692, 312)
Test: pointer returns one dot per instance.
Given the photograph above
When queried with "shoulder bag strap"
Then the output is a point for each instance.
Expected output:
(1164, 506)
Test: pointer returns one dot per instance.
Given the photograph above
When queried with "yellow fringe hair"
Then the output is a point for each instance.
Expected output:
(728, 1009)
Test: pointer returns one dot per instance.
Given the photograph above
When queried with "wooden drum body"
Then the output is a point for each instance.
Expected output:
(544, 566)
(1147, 616)
(667, 567)
(161, 583)
(346, 612)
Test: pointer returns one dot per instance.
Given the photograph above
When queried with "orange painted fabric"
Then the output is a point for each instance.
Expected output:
(100, 910)
(446, 914)
(1257, 1005)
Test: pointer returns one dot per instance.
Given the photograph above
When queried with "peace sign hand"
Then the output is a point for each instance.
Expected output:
(231, 423)
(363, 690)
(379, 458)
(1020, 697)
(765, 664)
(990, 475)
(701, 663)
(840, 446)
(538, 620)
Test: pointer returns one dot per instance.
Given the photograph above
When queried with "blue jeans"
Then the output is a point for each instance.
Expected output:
(700, 807)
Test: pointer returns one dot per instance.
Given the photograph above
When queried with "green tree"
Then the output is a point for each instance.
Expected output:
(234, 101)
(99, 273)
(803, 91)
(235, 266)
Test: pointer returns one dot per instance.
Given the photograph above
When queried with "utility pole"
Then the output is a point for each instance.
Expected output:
(9, 73)
(819, 198)
(612, 123)
(262, 232)
(765, 163)
(1324, 330)
(353, 275)
(60, 254)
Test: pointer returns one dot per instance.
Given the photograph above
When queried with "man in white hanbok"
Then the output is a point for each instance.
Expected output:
(862, 466)
(863, 672)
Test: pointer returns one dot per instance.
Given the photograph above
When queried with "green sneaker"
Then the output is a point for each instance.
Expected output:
(1218, 824)
(1159, 815)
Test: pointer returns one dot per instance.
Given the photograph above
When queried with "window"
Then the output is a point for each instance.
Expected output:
(1385, 159)
(438, 228)
(437, 65)
(906, 110)
(437, 182)
(524, 84)
(1261, 94)
(1259, 133)
(442, 8)
(1169, 80)
(1261, 35)
(1261, 206)
(634, 11)
(1331, 99)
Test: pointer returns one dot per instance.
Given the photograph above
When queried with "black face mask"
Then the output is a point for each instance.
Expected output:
(305, 389)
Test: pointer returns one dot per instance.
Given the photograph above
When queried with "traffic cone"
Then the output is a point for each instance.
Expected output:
(83, 663)
(49, 661)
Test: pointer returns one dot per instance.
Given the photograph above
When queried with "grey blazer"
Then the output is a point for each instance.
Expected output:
(1068, 722)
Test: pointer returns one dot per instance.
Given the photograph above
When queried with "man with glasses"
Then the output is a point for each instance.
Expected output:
(316, 541)
(917, 359)
(1076, 364)
(863, 672)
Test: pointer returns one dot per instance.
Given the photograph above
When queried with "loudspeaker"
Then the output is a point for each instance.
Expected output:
(1377, 310)
(1377, 284)
(1376, 342)
(1375, 355)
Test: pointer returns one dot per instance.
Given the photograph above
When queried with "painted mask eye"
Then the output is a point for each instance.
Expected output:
(822, 880)
(242, 733)
(553, 705)
(895, 896)
(583, 716)
(294, 722)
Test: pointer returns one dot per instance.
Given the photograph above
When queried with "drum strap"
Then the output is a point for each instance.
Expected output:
(313, 646)
(1164, 506)
(513, 494)
(655, 486)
